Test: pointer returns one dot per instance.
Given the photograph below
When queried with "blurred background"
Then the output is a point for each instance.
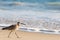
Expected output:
(35, 13)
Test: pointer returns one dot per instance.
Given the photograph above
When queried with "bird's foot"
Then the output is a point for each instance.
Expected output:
(8, 37)
(19, 37)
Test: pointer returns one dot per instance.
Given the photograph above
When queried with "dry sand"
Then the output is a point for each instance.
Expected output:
(28, 36)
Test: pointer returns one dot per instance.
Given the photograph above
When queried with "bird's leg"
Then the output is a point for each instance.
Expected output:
(16, 35)
(9, 34)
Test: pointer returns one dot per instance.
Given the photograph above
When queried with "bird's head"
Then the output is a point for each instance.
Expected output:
(20, 23)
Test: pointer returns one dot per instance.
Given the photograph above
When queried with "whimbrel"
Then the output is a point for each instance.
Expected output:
(13, 28)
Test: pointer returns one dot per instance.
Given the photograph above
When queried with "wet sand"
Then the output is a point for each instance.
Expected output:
(28, 36)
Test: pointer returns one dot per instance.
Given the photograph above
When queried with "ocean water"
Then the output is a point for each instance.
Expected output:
(30, 8)
(32, 11)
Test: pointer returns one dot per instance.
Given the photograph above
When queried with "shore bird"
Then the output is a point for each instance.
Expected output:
(13, 28)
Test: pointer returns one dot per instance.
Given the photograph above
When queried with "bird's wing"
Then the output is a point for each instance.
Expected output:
(12, 26)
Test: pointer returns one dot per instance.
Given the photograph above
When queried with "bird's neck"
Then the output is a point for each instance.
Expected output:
(17, 24)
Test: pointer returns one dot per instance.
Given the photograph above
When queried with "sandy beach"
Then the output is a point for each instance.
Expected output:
(28, 36)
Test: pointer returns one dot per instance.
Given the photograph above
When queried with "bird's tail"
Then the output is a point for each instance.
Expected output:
(4, 28)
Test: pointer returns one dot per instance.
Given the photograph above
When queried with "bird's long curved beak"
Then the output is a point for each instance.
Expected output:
(23, 23)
